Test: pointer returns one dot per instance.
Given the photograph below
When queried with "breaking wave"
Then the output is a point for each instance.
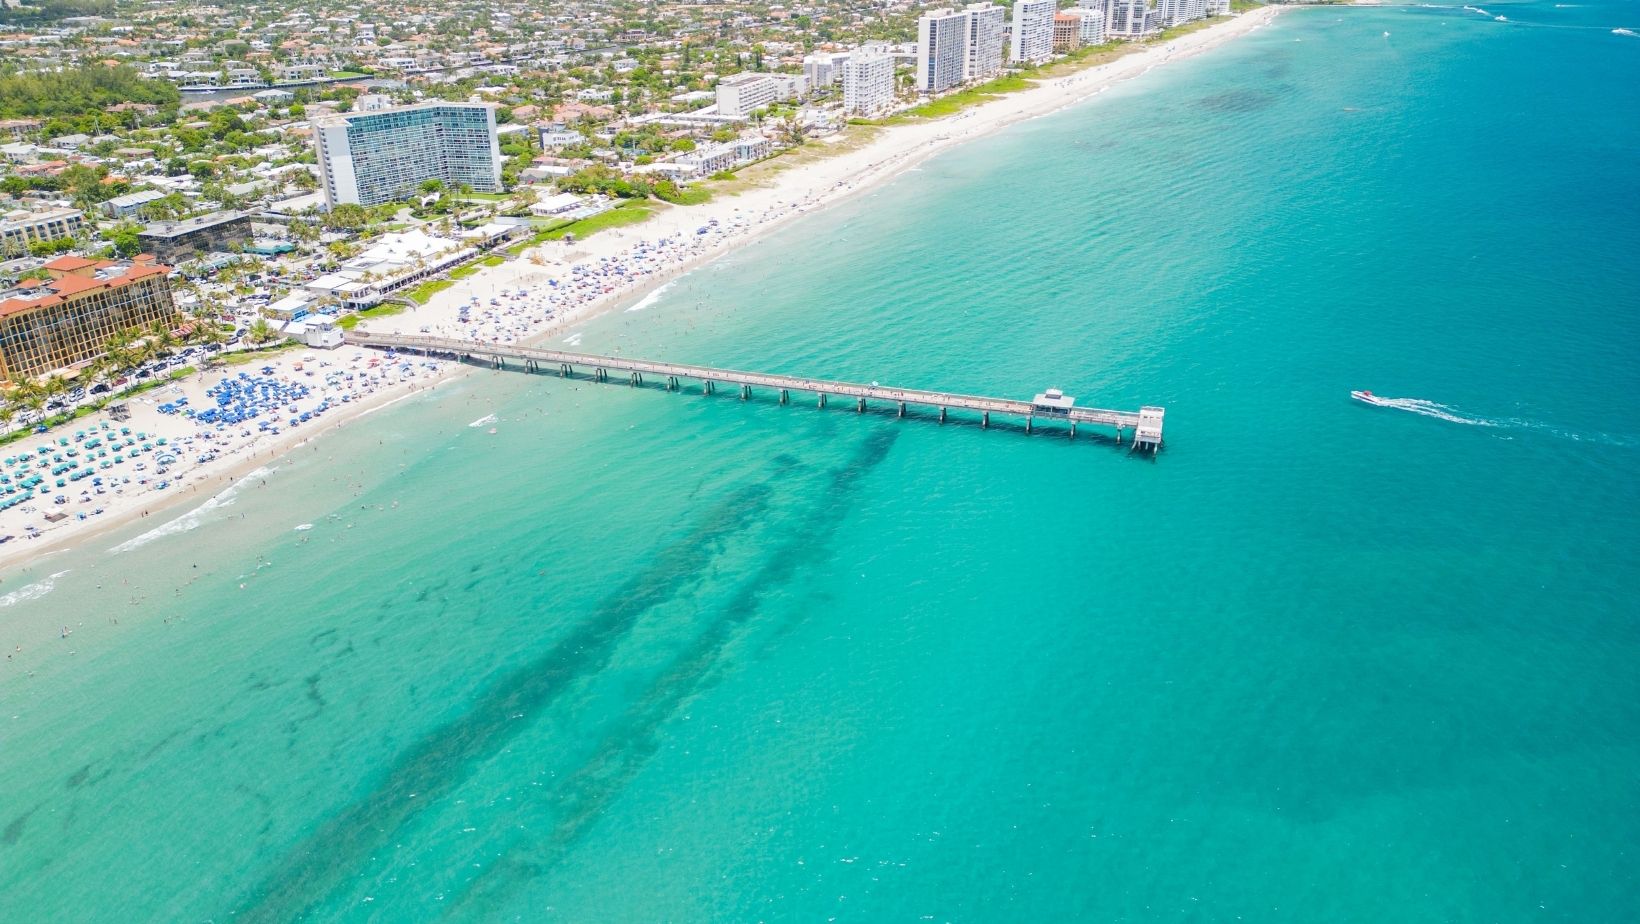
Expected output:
(194, 518)
(649, 300)
(31, 591)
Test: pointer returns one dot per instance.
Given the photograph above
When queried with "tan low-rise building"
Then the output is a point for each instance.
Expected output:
(20, 229)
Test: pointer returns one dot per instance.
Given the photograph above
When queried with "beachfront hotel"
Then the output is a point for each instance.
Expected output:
(1033, 31)
(368, 158)
(868, 82)
(52, 324)
(942, 50)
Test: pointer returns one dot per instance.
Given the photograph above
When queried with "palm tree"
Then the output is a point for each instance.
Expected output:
(160, 337)
(95, 369)
(53, 387)
(118, 357)
(210, 333)
(261, 331)
(141, 352)
(32, 398)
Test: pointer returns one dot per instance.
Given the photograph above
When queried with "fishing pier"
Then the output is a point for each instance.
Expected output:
(1144, 424)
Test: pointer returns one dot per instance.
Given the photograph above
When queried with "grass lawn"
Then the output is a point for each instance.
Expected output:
(547, 226)
(471, 269)
(350, 321)
(953, 103)
(347, 75)
(485, 197)
(697, 194)
(420, 294)
(629, 212)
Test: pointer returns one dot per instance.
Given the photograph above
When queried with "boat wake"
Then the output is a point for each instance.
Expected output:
(1433, 409)
(194, 518)
(31, 591)
(1450, 414)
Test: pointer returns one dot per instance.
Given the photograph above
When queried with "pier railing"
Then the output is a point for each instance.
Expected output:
(1145, 423)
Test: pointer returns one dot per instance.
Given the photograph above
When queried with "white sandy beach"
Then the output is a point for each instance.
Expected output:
(544, 294)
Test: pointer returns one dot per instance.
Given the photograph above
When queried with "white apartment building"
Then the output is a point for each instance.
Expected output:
(1178, 12)
(868, 82)
(1218, 7)
(942, 50)
(1129, 19)
(987, 28)
(823, 70)
(1092, 14)
(369, 158)
(790, 86)
(1033, 31)
(740, 94)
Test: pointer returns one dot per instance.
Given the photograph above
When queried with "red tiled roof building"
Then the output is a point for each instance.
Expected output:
(51, 324)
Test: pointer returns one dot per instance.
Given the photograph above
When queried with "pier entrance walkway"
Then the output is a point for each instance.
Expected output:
(1145, 424)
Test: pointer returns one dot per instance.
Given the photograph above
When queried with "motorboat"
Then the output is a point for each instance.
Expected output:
(1367, 397)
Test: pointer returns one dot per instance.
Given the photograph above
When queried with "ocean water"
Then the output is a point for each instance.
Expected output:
(639, 656)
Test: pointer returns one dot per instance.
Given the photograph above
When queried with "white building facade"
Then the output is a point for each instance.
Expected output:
(1033, 31)
(942, 50)
(820, 70)
(868, 82)
(740, 94)
(1092, 14)
(1129, 19)
(1178, 12)
(987, 31)
(368, 158)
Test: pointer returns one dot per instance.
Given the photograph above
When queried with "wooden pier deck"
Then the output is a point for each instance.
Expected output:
(1145, 424)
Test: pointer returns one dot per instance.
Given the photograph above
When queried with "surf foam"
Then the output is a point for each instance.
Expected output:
(31, 591)
(194, 518)
(649, 300)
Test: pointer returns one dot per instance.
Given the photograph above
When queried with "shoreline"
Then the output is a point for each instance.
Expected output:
(737, 219)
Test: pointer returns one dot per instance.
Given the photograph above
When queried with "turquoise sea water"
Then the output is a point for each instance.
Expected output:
(639, 656)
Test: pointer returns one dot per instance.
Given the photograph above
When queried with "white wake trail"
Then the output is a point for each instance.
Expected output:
(1434, 409)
